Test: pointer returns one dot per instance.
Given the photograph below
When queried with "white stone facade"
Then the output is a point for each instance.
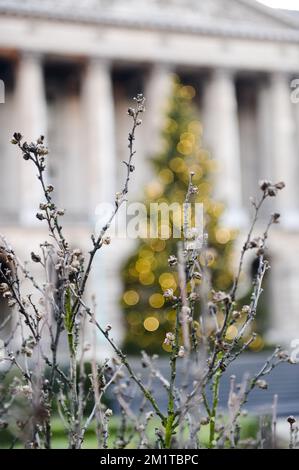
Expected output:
(69, 68)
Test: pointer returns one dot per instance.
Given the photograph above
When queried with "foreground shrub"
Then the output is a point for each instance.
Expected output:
(209, 333)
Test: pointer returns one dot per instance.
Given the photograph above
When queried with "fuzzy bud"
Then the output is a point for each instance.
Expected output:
(35, 258)
(17, 137)
(181, 352)
(40, 216)
(108, 413)
(131, 112)
(291, 420)
(264, 185)
(281, 185)
(262, 384)
(275, 218)
(106, 241)
(168, 294)
(172, 260)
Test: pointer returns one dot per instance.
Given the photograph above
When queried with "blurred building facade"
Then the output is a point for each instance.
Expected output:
(70, 69)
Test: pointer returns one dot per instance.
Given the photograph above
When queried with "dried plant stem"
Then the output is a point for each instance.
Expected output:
(120, 198)
(213, 412)
(169, 426)
(257, 208)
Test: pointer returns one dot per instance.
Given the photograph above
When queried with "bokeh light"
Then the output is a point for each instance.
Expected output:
(156, 300)
(151, 324)
(131, 297)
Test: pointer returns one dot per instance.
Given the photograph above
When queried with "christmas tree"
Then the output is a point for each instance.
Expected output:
(147, 274)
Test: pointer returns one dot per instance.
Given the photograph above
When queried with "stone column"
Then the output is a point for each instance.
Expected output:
(284, 155)
(98, 122)
(222, 138)
(30, 120)
(264, 134)
(158, 90)
(98, 119)
(283, 289)
(9, 164)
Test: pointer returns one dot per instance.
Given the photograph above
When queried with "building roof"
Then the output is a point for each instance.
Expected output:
(234, 18)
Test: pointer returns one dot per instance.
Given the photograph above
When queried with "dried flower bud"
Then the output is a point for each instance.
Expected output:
(7, 294)
(194, 190)
(205, 421)
(3, 287)
(50, 188)
(106, 240)
(193, 296)
(236, 315)
(27, 351)
(264, 185)
(40, 216)
(139, 98)
(221, 297)
(17, 137)
(169, 339)
(42, 150)
(11, 303)
(283, 355)
(172, 260)
(170, 336)
(108, 413)
(168, 294)
(131, 112)
(192, 234)
(181, 352)
(186, 311)
(291, 420)
(254, 243)
(108, 328)
(275, 218)
(245, 309)
(272, 191)
(262, 384)
(35, 258)
(281, 185)
(197, 275)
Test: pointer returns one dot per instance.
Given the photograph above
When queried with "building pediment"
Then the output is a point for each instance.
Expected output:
(244, 18)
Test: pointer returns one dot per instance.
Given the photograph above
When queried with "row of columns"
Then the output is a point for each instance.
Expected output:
(279, 156)
(221, 133)
(97, 120)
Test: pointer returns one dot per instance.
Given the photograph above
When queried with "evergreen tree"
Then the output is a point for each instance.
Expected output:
(147, 273)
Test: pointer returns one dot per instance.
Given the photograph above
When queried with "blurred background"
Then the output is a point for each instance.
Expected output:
(220, 81)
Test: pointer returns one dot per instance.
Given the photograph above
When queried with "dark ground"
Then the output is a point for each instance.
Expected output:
(283, 381)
